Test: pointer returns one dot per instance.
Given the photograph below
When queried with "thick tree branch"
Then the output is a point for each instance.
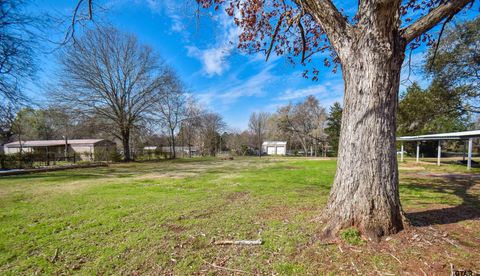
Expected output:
(304, 42)
(329, 18)
(434, 17)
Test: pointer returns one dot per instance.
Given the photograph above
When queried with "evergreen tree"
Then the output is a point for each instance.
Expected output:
(334, 122)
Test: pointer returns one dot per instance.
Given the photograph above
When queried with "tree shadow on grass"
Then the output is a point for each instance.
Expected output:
(460, 184)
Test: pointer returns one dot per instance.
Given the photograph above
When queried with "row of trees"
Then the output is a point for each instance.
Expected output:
(111, 86)
(182, 122)
(125, 92)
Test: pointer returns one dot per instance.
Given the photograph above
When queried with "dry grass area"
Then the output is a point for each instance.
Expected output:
(164, 218)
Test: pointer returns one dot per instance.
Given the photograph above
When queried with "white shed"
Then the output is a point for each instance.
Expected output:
(274, 147)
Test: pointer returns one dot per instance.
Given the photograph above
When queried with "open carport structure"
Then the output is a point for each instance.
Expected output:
(466, 136)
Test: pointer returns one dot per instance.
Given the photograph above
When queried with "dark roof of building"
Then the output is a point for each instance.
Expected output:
(51, 143)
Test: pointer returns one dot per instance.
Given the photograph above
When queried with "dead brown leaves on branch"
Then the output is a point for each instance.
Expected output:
(286, 29)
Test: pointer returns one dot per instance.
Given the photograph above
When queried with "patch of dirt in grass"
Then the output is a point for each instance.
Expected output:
(312, 158)
(290, 168)
(199, 214)
(451, 176)
(411, 168)
(176, 175)
(432, 249)
(65, 187)
(442, 236)
(429, 250)
(176, 228)
(279, 212)
(235, 196)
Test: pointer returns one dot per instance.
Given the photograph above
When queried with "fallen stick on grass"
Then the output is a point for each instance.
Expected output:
(229, 269)
(242, 242)
(55, 256)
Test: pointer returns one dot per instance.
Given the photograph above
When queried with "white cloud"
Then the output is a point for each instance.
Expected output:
(254, 86)
(154, 5)
(292, 94)
(205, 99)
(168, 8)
(327, 93)
(177, 24)
(221, 95)
(215, 58)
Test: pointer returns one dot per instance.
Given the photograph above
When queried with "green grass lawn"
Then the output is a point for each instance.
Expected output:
(155, 218)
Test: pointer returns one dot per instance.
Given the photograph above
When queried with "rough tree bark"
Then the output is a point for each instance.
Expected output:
(365, 190)
(126, 145)
(172, 137)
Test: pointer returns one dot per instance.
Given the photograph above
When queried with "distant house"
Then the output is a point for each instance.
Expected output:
(85, 149)
(274, 147)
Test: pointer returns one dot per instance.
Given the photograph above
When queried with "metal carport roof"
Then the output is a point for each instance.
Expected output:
(463, 135)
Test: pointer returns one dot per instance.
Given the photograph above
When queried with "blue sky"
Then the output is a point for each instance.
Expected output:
(218, 75)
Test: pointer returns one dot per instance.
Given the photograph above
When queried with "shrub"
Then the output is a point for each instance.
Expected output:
(351, 236)
(18, 160)
(115, 156)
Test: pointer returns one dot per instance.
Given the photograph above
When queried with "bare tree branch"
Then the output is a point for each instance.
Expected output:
(444, 10)
(274, 35)
(440, 38)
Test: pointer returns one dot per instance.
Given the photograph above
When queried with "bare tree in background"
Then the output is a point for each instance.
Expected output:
(238, 142)
(294, 122)
(190, 124)
(319, 118)
(211, 124)
(7, 119)
(171, 105)
(110, 74)
(17, 43)
(258, 125)
(305, 120)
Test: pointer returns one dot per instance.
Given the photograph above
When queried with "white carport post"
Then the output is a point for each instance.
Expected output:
(418, 151)
(469, 161)
(439, 152)
(401, 152)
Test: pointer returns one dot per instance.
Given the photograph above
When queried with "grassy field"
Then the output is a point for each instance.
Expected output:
(163, 218)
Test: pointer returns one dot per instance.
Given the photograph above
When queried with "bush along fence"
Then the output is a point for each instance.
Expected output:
(29, 160)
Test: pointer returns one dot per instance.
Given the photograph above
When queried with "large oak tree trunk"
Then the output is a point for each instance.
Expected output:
(365, 191)
(172, 137)
(126, 145)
